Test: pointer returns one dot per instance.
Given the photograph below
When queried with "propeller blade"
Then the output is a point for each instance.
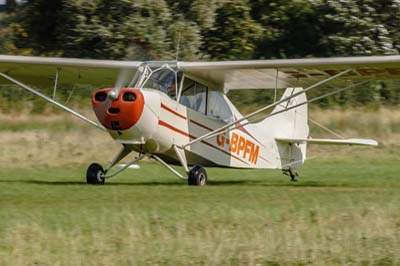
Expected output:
(102, 113)
(124, 77)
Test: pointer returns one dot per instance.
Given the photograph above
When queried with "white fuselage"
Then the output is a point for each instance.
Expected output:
(164, 123)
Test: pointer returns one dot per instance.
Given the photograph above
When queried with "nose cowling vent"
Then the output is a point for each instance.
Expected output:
(121, 113)
(114, 110)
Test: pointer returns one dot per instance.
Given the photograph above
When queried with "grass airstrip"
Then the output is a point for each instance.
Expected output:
(345, 209)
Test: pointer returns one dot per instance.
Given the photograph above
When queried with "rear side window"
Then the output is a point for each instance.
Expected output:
(194, 95)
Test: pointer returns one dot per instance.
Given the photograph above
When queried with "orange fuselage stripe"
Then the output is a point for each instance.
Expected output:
(241, 128)
(163, 106)
(165, 124)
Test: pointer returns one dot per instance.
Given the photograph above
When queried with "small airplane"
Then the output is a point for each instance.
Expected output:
(178, 113)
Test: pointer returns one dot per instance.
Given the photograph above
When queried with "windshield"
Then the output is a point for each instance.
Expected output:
(162, 78)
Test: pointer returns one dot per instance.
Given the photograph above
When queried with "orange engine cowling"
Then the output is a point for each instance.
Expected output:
(121, 113)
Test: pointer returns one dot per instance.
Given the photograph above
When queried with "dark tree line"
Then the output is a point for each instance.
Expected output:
(206, 30)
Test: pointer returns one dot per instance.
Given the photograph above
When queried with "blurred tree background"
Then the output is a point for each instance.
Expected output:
(209, 30)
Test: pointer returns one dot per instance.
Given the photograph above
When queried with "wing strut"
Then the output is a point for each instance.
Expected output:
(303, 103)
(223, 128)
(56, 84)
(312, 100)
(41, 95)
(294, 106)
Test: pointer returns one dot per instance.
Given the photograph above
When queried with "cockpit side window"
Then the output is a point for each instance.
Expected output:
(194, 95)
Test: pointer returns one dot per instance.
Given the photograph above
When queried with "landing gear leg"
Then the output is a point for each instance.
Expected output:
(291, 173)
(197, 176)
(168, 166)
(95, 173)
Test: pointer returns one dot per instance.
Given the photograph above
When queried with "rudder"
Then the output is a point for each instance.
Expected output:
(289, 124)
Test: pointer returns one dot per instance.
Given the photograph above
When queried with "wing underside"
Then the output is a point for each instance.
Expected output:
(270, 74)
(42, 71)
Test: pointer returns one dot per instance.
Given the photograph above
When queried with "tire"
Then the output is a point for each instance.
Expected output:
(95, 174)
(197, 176)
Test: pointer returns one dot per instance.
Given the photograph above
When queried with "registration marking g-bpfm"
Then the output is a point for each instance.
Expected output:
(240, 146)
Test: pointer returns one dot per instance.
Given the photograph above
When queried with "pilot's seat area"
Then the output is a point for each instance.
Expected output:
(211, 103)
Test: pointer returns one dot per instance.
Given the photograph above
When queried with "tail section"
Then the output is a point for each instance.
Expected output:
(291, 124)
(285, 135)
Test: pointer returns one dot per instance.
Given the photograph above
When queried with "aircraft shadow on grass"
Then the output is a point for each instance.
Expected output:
(259, 183)
(280, 184)
(83, 183)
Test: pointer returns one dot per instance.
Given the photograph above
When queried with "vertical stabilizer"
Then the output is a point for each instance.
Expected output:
(289, 124)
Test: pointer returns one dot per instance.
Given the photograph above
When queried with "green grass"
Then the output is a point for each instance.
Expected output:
(343, 211)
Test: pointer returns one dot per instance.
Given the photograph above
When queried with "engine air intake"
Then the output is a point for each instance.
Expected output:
(129, 97)
(101, 96)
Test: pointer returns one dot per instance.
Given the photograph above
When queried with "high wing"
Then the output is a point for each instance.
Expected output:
(227, 75)
(42, 71)
(270, 74)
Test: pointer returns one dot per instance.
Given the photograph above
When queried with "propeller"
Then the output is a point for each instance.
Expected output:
(124, 77)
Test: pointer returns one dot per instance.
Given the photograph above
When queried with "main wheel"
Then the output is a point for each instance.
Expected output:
(95, 174)
(197, 176)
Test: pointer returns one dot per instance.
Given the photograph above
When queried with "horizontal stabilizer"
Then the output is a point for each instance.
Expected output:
(369, 142)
